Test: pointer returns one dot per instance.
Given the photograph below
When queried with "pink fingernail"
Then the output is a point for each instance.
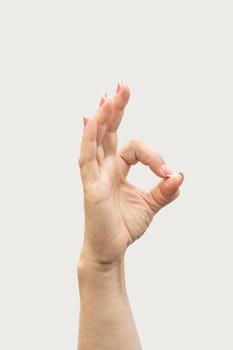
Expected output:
(103, 99)
(85, 120)
(119, 86)
(166, 170)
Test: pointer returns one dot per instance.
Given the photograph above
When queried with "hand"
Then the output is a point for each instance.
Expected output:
(117, 212)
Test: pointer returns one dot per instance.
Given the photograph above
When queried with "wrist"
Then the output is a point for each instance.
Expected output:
(96, 262)
(99, 278)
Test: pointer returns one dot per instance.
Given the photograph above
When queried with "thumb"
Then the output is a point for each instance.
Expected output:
(165, 191)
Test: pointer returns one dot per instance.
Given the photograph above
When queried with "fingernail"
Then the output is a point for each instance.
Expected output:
(85, 120)
(166, 170)
(103, 99)
(119, 86)
(177, 175)
(182, 175)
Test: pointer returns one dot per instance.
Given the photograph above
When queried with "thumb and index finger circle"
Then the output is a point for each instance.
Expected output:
(168, 188)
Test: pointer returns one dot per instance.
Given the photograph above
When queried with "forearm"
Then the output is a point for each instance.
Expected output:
(106, 321)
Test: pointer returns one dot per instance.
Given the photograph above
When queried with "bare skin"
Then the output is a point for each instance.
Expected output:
(116, 214)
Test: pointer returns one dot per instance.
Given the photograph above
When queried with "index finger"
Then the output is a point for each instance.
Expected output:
(136, 151)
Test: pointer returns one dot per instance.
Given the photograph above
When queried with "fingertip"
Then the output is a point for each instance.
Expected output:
(122, 88)
(122, 97)
(166, 190)
(126, 92)
(107, 103)
(126, 89)
(174, 180)
(166, 172)
(182, 177)
(119, 86)
(102, 100)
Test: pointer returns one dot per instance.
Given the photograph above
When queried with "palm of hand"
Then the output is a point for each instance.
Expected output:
(120, 211)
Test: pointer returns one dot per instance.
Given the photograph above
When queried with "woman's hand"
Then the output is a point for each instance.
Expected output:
(117, 212)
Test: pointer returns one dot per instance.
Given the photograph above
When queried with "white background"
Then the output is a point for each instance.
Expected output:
(57, 58)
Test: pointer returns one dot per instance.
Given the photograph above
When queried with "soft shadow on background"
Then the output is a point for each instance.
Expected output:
(57, 58)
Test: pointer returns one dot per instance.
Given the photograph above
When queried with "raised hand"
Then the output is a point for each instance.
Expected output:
(117, 212)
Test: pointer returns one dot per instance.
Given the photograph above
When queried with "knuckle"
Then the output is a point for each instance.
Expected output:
(161, 201)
